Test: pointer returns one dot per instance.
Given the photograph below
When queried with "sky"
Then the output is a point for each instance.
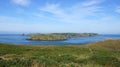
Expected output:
(58, 16)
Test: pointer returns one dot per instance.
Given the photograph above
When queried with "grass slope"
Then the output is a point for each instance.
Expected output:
(99, 54)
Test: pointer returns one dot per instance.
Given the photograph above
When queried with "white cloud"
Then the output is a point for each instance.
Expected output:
(21, 2)
(91, 2)
(12, 20)
(72, 14)
(118, 9)
(53, 9)
(22, 25)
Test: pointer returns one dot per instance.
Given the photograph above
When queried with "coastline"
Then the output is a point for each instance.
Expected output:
(95, 54)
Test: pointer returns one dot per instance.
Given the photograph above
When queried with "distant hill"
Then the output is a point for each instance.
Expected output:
(58, 36)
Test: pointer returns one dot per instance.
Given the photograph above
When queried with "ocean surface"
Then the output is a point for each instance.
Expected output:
(18, 39)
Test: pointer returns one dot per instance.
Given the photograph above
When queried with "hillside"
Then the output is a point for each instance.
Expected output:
(100, 54)
(58, 36)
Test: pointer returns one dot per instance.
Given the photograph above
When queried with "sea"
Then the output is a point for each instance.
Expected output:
(18, 39)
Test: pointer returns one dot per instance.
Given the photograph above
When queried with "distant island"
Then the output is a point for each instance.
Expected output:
(58, 36)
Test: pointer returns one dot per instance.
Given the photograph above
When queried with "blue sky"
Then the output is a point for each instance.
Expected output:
(47, 16)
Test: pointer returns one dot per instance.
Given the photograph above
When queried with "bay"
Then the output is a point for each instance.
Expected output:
(18, 39)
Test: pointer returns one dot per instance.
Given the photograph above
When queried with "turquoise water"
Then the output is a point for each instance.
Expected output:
(19, 39)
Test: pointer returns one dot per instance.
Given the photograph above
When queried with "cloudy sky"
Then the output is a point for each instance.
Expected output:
(46, 16)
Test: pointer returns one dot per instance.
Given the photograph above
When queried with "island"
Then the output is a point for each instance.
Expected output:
(58, 36)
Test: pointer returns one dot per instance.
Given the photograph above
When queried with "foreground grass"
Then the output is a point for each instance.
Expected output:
(99, 54)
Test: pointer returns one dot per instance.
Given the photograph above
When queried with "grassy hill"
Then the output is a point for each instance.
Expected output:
(58, 36)
(45, 37)
(100, 54)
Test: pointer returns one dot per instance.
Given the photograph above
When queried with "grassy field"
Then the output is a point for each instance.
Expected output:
(100, 54)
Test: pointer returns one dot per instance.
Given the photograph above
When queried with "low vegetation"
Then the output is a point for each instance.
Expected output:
(58, 36)
(46, 37)
(99, 54)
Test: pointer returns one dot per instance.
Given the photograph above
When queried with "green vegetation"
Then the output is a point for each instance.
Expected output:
(58, 36)
(99, 54)
(46, 37)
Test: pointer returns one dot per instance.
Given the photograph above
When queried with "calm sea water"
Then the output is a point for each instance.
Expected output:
(19, 39)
